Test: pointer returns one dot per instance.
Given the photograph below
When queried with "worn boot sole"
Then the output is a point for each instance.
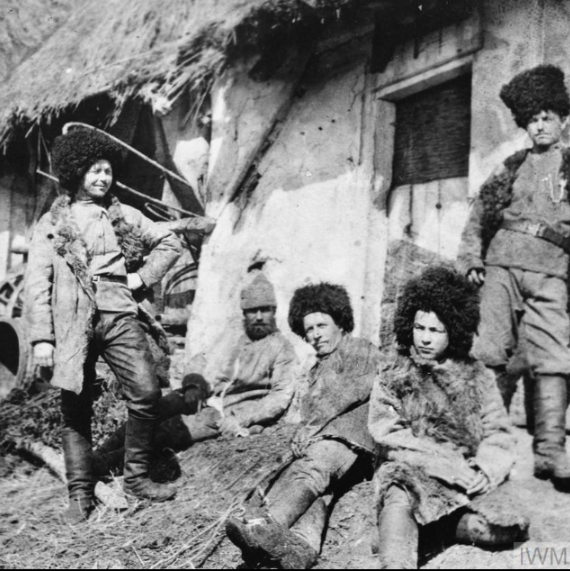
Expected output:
(239, 534)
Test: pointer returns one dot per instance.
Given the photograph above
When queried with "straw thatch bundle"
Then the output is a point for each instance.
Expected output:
(24, 25)
(153, 48)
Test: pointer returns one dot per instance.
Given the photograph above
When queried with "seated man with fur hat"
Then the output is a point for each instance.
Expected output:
(253, 390)
(444, 439)
(88, 256)
(516, 246)
(288, 529)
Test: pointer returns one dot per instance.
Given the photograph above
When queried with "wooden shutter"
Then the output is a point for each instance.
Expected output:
(433, 134)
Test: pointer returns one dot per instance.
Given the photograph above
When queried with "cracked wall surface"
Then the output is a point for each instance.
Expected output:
(310, 218)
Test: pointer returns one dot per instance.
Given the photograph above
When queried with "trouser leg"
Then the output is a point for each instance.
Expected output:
(76, 440)
(312, 524)
(398, 532)
(298, 492)
(501, 311)
(308, 478)
(126, 350)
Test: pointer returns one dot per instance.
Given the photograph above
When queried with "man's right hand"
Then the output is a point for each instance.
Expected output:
(43, 354)
(476, 276)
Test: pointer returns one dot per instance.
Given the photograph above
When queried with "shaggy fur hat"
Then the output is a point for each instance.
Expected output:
(321, 298)
(538, 89)
(259, 293)
(451, 297)
(75, 152)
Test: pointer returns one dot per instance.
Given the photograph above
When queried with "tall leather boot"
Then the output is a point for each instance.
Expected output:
(138, 455)
(398, 532)
(474, 529)
(261, 539)
(77, 454)
(550, 403)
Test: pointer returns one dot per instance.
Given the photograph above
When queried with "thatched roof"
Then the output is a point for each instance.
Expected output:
(153, 48)
(24, 25)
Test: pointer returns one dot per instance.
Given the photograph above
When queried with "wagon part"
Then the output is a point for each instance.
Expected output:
(11, 296)
(13, 356)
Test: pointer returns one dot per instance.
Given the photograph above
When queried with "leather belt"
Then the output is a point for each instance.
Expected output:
(540, 231)
(114, 279)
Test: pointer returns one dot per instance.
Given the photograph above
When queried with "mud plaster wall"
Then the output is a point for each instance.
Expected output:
(311, 216)
(518, 34)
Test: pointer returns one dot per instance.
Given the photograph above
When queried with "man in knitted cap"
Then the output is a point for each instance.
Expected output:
(253, 389)
(333, 435)
(516, 245)
(86, 261)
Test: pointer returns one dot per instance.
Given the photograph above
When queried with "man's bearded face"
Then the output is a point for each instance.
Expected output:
(259, 322)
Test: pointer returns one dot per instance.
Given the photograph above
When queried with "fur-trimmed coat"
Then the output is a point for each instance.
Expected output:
(487, 212)
(335, 403)
(427, 420)
(59, 301)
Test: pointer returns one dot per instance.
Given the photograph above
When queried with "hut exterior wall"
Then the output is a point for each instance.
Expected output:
(5, 215)
(310, 218)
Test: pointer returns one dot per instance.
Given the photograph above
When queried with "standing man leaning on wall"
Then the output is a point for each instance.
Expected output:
(87, 257)
(516, 246)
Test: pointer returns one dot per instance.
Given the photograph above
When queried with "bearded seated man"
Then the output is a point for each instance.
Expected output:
(332, 436)
(255, 387)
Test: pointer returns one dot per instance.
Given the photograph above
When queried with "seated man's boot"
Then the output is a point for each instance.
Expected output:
(550, 403)
(262, 538)
(138, 455)
(78, 470)
(398, 532)
(474, 529)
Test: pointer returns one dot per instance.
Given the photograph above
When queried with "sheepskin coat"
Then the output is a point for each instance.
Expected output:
(429, 418)
(495, 197)
(335, 403)
(59, 291)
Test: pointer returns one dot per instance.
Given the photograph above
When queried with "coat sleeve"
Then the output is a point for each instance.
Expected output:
(396, 441)
(283, 382)
(496, 454)
(38, 286)
(471, 248)
(164, 246)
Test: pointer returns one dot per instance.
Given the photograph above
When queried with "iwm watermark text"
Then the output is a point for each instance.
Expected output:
(542, 555)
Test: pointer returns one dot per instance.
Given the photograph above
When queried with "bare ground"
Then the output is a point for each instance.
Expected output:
(188, 532)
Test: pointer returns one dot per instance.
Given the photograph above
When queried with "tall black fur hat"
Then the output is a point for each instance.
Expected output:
(451, 297)
(541, 88)
(76, 151)
(321, 298)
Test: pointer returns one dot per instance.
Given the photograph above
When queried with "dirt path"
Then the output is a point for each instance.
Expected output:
(187, 533)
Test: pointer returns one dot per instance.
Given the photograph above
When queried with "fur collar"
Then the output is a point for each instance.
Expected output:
(497, 193)
(440, 400)
(70, 245)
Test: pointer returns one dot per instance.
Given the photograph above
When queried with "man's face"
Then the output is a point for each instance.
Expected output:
(430, 336)
(259, 322)
(545, 129)
(322, 333)
(96, 182)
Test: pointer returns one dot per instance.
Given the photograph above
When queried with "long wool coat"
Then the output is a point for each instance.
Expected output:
(59, 294)
(335, 404)
(427, 419)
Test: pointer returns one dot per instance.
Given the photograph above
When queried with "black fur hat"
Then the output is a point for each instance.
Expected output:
(321, 298)
(451, 297)
(538, 89)
(75, 152)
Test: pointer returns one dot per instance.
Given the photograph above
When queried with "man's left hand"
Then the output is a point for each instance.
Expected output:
(134, 282)
(229, 426)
